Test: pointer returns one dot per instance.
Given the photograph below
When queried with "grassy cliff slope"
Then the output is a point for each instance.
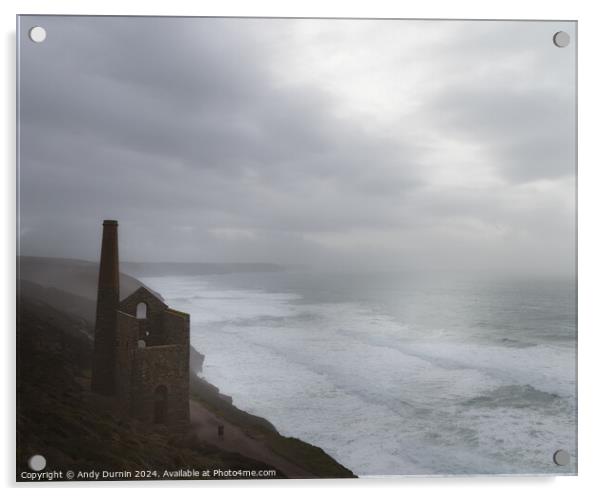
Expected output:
(58, 416)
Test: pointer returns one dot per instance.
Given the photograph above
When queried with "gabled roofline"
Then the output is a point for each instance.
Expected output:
(143, 292)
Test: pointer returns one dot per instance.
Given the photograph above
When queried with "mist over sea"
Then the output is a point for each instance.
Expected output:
(396, 374)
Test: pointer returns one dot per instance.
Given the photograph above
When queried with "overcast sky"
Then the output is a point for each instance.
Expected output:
(339, 143)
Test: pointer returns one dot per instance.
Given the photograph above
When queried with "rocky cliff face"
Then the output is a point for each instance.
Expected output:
(59, 417)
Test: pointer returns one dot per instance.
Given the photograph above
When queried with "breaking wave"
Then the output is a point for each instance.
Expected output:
(382, 395)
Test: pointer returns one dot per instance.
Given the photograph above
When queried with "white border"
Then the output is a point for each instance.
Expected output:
(590, 222)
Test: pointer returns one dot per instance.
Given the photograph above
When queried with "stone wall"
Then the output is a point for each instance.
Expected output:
(153, 360)
(127, 344)
(162, 366)
(151, 328)
(176, 327)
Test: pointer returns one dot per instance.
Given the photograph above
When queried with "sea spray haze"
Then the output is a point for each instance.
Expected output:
(370, 222)
(396, 373)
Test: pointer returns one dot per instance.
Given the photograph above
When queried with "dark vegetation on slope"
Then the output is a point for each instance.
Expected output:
(57, 415)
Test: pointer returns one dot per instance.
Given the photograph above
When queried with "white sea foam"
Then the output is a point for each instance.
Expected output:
(375, 394)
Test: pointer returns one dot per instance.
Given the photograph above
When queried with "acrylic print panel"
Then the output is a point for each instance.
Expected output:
(260, 248)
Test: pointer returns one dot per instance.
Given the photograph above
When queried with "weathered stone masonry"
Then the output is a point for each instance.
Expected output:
(141, 347)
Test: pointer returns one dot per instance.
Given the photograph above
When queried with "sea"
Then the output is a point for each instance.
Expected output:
(396, 373)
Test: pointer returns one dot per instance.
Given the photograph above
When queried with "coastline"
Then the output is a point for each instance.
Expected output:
(55, 315)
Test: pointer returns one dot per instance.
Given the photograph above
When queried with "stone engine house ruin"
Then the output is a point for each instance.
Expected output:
(141, 346)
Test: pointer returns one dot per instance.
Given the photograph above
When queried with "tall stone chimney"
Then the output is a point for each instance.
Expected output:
(105, 332)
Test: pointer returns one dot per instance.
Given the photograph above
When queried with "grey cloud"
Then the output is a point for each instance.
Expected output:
(182, 126)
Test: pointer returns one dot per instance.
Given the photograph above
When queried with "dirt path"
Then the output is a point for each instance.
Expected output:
(204, 424)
